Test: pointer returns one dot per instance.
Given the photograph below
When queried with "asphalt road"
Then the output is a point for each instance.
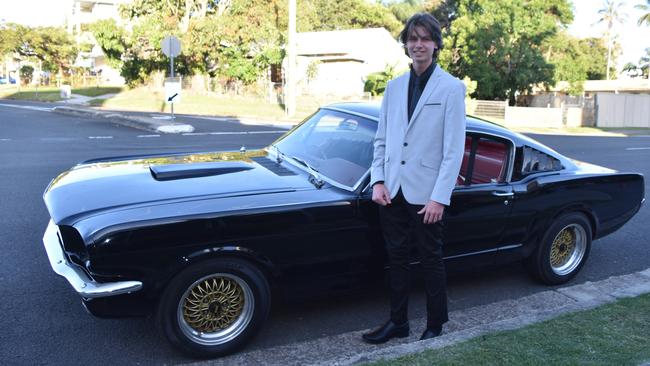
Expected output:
(43, 322)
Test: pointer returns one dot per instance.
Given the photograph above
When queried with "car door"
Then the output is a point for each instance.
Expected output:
(478, 215)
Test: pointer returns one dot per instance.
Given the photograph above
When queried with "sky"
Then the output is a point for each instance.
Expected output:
(633, 38)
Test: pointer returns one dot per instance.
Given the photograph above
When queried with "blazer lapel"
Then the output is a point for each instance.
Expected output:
(404, 100)
(428, 89)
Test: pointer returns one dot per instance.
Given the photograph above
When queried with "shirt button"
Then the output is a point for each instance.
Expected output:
(403, 162)
(406, 144)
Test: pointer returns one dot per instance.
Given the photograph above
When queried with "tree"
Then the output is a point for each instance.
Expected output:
(236, 40)
(631, 69)
(112, 40)
(499, 44)
(327, 15)
(402, 10)
(9, 39)
(610, 14)
(53, 46)
(376, 82)
(645, 18)
(595, 51)
(575, 60)
(26, 73)
(566, 55)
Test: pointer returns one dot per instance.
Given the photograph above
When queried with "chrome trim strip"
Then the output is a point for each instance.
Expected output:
(80, 281)
(507, 247)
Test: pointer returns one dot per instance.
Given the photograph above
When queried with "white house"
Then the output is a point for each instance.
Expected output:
(86, 12)
(341, 60)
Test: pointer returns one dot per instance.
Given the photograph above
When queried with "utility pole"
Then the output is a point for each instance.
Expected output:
(290, 82)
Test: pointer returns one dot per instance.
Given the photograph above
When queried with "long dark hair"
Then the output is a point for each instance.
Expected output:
(428, 22)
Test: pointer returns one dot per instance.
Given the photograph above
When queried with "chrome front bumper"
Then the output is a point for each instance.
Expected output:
(80, 281)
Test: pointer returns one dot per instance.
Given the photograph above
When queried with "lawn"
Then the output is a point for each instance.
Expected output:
(41, 94)
(95, 91)
(613, 334)
(143, 99)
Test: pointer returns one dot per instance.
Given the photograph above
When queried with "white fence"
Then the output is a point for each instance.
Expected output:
(530, 116)
(623, 110)
(526, 116)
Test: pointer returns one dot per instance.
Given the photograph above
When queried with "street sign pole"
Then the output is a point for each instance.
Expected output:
(171, 47)
(171, 71)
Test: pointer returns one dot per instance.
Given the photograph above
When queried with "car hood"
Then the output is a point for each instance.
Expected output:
(99, 186)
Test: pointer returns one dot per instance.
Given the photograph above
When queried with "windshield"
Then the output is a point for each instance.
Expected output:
(337, 145)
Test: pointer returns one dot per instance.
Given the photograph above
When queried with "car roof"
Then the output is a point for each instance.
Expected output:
(371, 110)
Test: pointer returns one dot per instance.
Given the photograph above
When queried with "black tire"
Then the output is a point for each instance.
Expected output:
(563, 250)
(213, 308)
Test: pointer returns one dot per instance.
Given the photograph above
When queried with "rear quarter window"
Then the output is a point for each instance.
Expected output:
(530, 160)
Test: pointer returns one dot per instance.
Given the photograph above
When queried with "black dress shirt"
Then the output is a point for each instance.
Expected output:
(416, 86)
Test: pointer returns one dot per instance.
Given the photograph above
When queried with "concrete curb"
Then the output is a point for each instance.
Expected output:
(139, 122)
(348, 349)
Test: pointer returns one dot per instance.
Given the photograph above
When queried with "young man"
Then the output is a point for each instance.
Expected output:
(418, 152)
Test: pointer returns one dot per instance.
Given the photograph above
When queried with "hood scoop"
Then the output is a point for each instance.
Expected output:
(196, 170)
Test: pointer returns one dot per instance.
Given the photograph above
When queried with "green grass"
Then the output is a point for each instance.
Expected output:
(94, 91)
(613, 334)
(41, 94)
(143, 99)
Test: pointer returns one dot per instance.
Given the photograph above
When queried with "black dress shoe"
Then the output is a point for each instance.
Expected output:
(431, 333)
(386, 332)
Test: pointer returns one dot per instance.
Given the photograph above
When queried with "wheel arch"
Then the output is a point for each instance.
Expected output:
(542, 222)
(582, 209)
(261, 262)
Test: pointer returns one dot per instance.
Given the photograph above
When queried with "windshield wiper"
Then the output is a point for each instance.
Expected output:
(314, 177)
(279, 155)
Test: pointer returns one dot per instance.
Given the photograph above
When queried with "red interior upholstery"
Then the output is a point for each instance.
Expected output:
(489, 162)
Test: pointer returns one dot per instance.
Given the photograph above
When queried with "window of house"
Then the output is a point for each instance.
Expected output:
(485, 160)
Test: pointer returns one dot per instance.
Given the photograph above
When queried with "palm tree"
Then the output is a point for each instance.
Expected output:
(631, 69)
(645, 18)
(610, 14)
(644, 64)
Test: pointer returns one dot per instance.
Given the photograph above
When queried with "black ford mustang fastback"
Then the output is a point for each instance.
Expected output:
(201, 241)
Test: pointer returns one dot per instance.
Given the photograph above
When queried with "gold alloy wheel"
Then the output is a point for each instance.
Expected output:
(213, 304)
(568, 249)
(215, 309)
(562, 247)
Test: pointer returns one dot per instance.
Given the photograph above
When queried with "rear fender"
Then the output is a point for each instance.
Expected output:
(541, 222)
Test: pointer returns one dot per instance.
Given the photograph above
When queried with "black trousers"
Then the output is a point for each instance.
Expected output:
(402, 227)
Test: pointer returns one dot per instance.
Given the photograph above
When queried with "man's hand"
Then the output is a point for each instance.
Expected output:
(432, 212)
(380, 194)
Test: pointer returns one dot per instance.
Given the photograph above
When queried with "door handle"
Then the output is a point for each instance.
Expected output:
(502, 194)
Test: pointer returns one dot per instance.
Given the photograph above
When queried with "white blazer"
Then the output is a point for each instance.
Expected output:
(423, 155)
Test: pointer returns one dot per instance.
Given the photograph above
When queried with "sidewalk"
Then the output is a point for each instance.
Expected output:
(348, 349)
(161, 124)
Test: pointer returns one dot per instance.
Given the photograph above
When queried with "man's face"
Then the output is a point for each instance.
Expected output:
(420, 45)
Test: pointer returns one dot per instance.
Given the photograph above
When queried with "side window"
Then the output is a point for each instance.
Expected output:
(531, 161)
(485, 160)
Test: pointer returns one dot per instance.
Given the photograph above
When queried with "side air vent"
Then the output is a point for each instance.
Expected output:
(273, 166)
